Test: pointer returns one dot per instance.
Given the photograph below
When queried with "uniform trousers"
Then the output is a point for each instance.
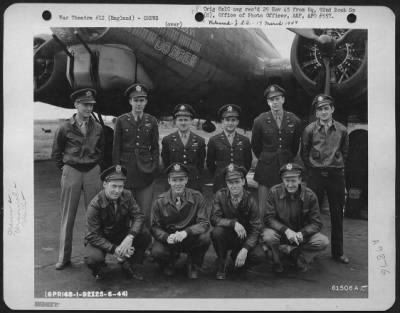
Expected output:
(95, 256)
(144, 198)
(331, 181)
(225, 239)
(310, 247)
(194, 245)
(262, 199)
(72, 183)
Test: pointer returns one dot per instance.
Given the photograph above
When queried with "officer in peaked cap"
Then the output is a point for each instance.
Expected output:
(325, 146)
(233, 229)
(136, 90)
(233, 171)
(177, 170)
(115, 172)
(321, 100)
(79, 157)
(229, 110)
(185, 146)
(183, 110)
(290, 170)
(273, 91)
(292, 219)
(84, 95)
(136, 147)
(228, 146)
(185, 231)
(275, 141)
(115, 225)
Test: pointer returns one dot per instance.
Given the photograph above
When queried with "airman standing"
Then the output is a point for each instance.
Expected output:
(136, 148)
(228, 147)
(275, 141)
(78, 150)
(184, 146)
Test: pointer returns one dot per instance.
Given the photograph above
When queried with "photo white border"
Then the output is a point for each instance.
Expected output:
(20, 21)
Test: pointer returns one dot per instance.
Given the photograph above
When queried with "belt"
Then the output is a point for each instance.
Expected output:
(325, 171)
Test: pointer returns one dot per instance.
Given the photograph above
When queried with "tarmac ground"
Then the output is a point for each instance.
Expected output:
(325, 278)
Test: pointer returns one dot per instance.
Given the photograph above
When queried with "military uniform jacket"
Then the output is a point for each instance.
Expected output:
(72, 147)
(220, 153)
(192, 155)
(274, 146)
(224, 214)
(300, 216)
(136, 148)
(107, 227)
(167, 219)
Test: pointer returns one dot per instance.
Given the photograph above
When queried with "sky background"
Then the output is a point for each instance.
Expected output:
(281, 38)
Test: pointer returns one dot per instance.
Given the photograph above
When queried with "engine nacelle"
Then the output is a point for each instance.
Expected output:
(348, 64)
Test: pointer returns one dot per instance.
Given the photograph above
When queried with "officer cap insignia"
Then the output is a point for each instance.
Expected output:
(272, 88)
(138, 88)
(88, 93)
(230, 167)
(229, 109)
(118, 168)
(320, 98)
(289, 167)
(182, 108)
(177, 167)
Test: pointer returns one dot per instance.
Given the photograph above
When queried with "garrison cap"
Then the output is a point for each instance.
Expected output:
(233, 171)
(229, 110)
(273, 91)
(183, 110)
(115, 172)
(290, 169)
(84, 95)
(136, 90)
(322, 99)
(177, 169)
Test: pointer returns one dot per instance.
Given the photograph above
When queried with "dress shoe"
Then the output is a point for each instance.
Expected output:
(192, 271)
(99, 271)
(277, 268)
(301, 264)
(169, 270)
(221, 272)
(342, 259)
(62, 265)
(130, 272)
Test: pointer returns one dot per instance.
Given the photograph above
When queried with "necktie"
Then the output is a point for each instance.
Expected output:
(278, 121)
(235, 201)
(184, 139)
(178, 202)
(230, 139)
(115, 204)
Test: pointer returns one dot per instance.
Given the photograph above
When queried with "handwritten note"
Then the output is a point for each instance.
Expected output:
(17, 212)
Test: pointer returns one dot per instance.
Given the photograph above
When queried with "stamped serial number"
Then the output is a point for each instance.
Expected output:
(348, 288)
(85, 294)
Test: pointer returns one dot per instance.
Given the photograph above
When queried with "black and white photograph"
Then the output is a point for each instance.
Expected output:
(203, 163)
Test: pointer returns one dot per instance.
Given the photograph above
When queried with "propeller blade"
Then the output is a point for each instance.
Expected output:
(305, 32)
(339, 41)
(327, 89)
